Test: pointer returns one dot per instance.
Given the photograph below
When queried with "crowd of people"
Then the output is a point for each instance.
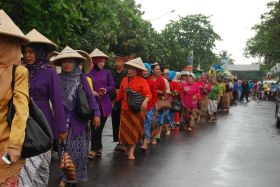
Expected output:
(171, 101)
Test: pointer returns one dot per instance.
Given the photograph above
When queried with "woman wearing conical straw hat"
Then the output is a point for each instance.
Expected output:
(103, 85)
(132, 123)
(11, 138)
(44, 90)
(77, 140)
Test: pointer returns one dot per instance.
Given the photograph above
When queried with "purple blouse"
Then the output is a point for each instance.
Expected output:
(44, 90)
(103, 79)
(77, 124)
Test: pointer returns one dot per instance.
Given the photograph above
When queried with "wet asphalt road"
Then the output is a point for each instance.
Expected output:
(241, 149)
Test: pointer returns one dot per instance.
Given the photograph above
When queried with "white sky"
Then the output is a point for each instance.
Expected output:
(231, 19)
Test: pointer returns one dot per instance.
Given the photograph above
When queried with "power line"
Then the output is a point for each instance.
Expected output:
(162, 15)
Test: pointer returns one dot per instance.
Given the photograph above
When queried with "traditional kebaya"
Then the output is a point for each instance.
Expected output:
(44, 90)
(77, 139)
(132, 124)
(190, 96)
(103, 85)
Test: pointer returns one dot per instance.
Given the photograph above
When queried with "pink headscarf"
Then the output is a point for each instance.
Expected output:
(96, 60)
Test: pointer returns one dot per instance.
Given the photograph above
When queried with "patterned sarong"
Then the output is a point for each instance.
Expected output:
(131, 127)
(35, 172)
(212, 106)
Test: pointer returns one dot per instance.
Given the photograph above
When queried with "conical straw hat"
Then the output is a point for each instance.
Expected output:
(8, 27)
(97, 53)
(87, 65)
(35, 37)
(52, 55)
(67, 52)
(137, 63)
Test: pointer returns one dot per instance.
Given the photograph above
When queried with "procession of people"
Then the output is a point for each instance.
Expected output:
(145, 100)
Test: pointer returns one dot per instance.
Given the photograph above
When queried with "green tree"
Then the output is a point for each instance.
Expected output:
(225, 57)
(116, 27)
(266, 42)
(193, 32)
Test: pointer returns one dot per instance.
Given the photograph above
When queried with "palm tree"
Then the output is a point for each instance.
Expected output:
(225, 58)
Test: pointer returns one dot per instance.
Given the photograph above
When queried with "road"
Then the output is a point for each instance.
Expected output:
(241, 149)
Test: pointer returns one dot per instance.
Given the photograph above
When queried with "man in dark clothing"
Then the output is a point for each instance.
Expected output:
(245, 91)
(118, 76)
(235, 91)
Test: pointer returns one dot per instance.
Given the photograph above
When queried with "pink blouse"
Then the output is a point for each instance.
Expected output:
(188, 94)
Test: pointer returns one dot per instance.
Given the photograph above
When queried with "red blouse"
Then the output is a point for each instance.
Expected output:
(175, 86)
(160, 84)
(153, 87)
(137, 84)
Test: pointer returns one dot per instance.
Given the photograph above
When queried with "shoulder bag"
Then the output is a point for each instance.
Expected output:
(134, 99)
(38, 134)
(83, 109)
(163, 103)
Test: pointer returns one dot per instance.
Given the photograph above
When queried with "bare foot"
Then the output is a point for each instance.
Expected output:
(131, 157)
(168, 133)
(154, 142)
(62, 184)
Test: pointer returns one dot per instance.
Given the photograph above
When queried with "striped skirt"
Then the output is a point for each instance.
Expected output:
(131, 127)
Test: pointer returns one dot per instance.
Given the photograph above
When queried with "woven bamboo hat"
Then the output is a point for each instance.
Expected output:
(97, 53)
(87, 65)
(9, 28)
(137, 63)
(52, 55)
(67, 52)
(37, 38)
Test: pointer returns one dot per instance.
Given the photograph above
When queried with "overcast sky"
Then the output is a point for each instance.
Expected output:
(232, 19)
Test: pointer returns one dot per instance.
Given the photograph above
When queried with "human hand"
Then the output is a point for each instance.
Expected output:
(144, 105)
(14, 154)
(96, 122)
(102, 91)
(96, 94)
(62, 137)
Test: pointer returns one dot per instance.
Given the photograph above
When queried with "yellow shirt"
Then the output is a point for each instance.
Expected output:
(223, 88)
(90, 83)
(13, 137)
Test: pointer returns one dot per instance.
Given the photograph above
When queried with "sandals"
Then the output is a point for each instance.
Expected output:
(91, 155)
(119, 148)
(98, 153)
(95, 154)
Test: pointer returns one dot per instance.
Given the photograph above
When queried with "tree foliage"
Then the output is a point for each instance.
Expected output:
(266, 42)
(193, 32)
(225, 57)
(116, 27)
